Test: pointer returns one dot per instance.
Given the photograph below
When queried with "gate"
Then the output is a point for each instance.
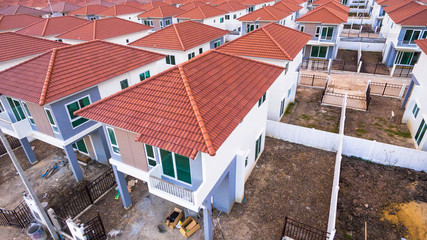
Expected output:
(19, 217)
(94, 229)
(319, 65)
(300, 231)
(386, 89)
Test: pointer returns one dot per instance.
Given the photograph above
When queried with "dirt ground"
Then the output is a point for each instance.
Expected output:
(375, 124)
(288, 180)
(347, 55)
(372, 57)
(369, 192)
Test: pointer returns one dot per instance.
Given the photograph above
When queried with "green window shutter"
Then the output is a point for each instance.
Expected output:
(415, 36)
(142, 76)
(72, 108)
(314, 51)
(168, 60)
(172, 59)
(150, 151)
(183, 168)
(324, 32)
(152, 162)
(420, 138)
(256, 149)
(424, 35)
(167, 163)
(14, 110)
(19, 109)
(330, 32)
(419, 129)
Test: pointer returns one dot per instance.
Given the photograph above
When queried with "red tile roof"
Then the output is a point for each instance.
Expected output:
(231, 6)
(408, 13)
(201, 12)
(287, 6)
(100, 2)
(133, 4)
(89, 10)
(120, 10)
(297, 2)
(336, 6)
(173, 1)
(52, 26)
(418, 19)
(180, 36)
(321, 2)
(267, 13)
(252, 2)
(61, 71)
(16, 9)
(192, 5)
(9, 22)
(395, 5)
(190, 108)
(161, 12)
(270, 41)
(61, 7)
(153, 4)
(14, 45)
(323, 14)
(422, 44)
(103, 29)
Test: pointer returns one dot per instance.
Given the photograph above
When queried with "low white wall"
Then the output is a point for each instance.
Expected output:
(365, 46)
(374, 151)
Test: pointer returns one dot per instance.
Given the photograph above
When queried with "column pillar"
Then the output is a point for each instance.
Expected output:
(28, 150)
(100, 145)
(207, 221)
(123, 188)
(72, 160)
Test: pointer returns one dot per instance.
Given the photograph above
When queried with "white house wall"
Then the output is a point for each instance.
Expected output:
(123, 39)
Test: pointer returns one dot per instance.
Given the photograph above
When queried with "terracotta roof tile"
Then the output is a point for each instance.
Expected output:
(190, 108)
(201, 12)
(321, 2)
(336, 6)
(14, 45)
(191, 5)
(422, 44)
(324, 14)
(120, 10)
(270, 41)
(173, 1)
(88, 10)
(103, 29)
(161, 12)
(287, 6)
(133, 4)
(59, 72)
(180, 36)
(395, 5)
(418, 19)
(231, 6)
(52, 26)
(99, 2)
(267, 13)
(61, 7)
(16, 9)
(9, 22)
(408, 13)
(153, 4)
(252, 2)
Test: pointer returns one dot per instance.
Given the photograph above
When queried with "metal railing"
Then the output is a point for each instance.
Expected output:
(313, 80)
(172, 189)
(94, 229)
(19, 217)
(300, 231)
(386, 89)
(338, 64)
(101, 184)
(379, 68)
(403, 71)
(353, 101)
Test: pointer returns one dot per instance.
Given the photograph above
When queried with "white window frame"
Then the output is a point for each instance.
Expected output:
(27, 112)
(217, 43)
(413, 31)
(174, 168)
(168, 22)
(415, 110)
(318, 32)
(78, 117)
(54, 126)
(109, 140)
(302, 28)
(150, 158)
(327, 51)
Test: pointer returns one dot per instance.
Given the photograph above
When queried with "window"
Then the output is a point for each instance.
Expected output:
(327, 33)
(221, 20)
(28, 112)
(292, 18)
(258, 147)
(420, 132)
(58, 40)
(217, 44)
(51, 121)
(170, 59)
(74, 106)
(283, 22)
(246, 161)
(250, 9)
(113, 140)
(16, 107)
(200, 50)
(149, 151)
(410, 36)
(407, 58)
(301, 28)
(176, 166)
(415, 110)
(227, 17)
(318, 52)
(290, 91)
(287, 68)
(262, 99)
(144, 75)
(239, 29)
(148, 22)
(282, 107)
(80, 146)
(161, 24)
(191, 55)
(124, 84)
(234, 16)
(424, 35)
(168, 22)
(317, 32)
(127, 40)
(251, 27)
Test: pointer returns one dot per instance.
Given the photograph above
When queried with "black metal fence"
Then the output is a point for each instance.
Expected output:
(386, 89)
(313, 80)
(14, 143)
(379, 68)
(304, 64)
(338, 64)
(94, 229)
(19, 217)
(300, 231)
(85, 196)
(403, 71)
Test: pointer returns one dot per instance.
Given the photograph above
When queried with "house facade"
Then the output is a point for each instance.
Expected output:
(160, 17)
(205, 14)
(44, 105)
(124, 12)
(190, 159)
(264, 16)
(235, 10)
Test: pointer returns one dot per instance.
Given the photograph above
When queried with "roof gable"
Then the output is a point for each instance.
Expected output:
(52, 26)
(201, 12)
(161, 12)
(268, 13)
(197, 104)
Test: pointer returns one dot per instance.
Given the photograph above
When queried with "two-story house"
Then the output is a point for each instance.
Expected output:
(12, 23)
(182, 41)
(289, 7)
(205, 14)
(160, 17)
(235, 10)
(49, 28)
(415, 115)
(113, 30)
(61, 8)
(253, 5)
(89, 12)
(195, 132)
(304, 4)
(264, 16)
(325, 25)
(278, 45)
(125, 12)
(402, 25)
(40, 95)
(16, 48)
(378, 13)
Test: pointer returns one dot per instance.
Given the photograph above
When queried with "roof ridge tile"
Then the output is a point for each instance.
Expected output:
(94, 29)
(271, 14)
(42, 100)
(179, 38)
(45, 26)
(201, 11)
(275, 42)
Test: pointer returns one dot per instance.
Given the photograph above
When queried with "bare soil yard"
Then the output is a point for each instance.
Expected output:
(391, 200)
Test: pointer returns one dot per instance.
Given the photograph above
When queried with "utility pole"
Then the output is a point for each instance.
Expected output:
(27, 185)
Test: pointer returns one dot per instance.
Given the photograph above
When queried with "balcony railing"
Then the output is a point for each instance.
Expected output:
(19, 129)
(167, 187)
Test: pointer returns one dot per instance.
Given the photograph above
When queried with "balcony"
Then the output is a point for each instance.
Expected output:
(18, 130)
(407, 43)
